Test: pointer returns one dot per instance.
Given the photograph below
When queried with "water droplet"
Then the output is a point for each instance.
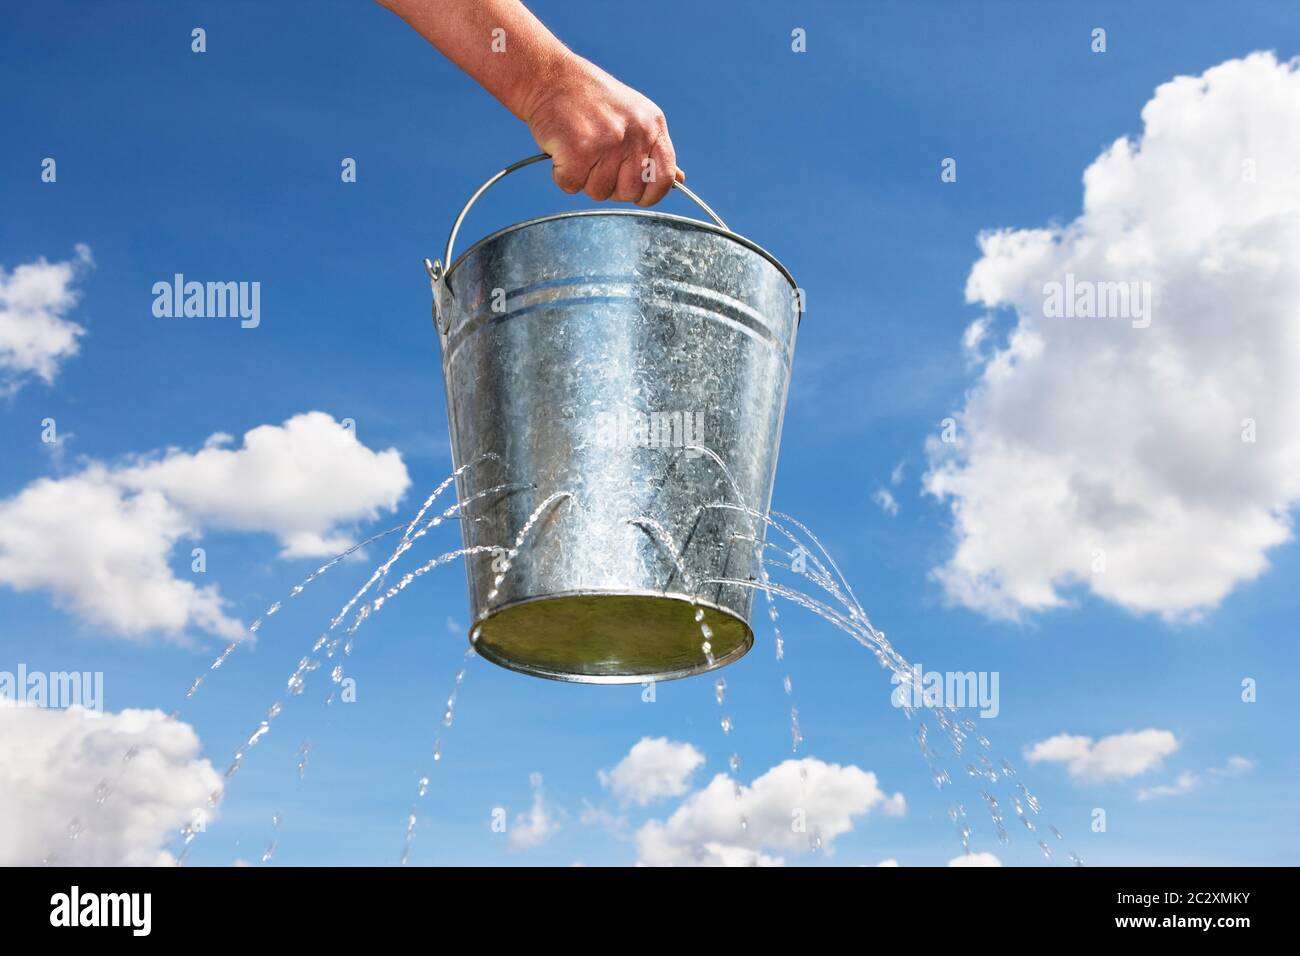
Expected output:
(304, 751)
(720, 689)
(726, 725)
(102, 791)
(75, 829)
(1029, 797)
(437, 750)
(734, 762)
(424, 785)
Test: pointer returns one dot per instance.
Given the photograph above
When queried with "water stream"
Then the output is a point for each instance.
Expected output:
(827, 595)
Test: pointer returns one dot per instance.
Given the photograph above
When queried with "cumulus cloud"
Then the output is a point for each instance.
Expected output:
(53, 761)
(298, 481)
(654, 768)
(537, 825)
(786, 808)
(1117, 757)
(35, 336)
(1154, 466)
(101, 540)
(975, 859)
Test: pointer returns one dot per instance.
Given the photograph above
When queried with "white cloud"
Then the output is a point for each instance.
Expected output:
(538, 824)
(1235, 767)
(1185, 783)
(35, 336)
(1095, 454)
(104, 554)
(52, 762)
(975, 336)
(885, 499)
(1111, 758)
(298, 481)
(891, 862)
(975, 859)
(654, 768)
(101, 541)
(785, 808)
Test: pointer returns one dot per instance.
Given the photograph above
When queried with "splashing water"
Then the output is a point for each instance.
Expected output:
(423, 784)
(661, 534)
(832, 599)
(818, 566)
(411, 531)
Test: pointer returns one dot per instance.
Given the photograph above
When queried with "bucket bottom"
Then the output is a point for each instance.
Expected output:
(610, 638)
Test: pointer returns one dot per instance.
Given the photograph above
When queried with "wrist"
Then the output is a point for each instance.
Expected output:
(556, 72)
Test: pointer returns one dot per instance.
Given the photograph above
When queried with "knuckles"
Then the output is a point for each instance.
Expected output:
(633, 135)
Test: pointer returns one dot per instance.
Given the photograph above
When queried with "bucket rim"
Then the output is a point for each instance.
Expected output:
(486, 652)
(640, 213)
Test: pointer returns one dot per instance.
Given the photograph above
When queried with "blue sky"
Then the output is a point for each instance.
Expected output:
(225, 165)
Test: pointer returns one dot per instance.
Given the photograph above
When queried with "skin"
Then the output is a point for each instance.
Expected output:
(599, 132)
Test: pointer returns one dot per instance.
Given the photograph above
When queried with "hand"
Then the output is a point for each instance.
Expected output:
(604, 138)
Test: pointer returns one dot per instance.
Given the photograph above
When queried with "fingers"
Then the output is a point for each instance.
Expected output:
(570, 173)
(609, 146)
(631, 182)
(605, 180)
(659, 171)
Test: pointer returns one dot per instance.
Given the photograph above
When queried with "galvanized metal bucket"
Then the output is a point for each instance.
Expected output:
(623, 373)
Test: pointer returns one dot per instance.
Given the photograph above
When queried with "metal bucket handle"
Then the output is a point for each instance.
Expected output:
(438, 268)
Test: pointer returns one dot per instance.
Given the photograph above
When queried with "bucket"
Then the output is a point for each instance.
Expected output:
(615, 381)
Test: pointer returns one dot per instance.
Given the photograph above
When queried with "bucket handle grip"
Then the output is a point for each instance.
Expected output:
(437, 269)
